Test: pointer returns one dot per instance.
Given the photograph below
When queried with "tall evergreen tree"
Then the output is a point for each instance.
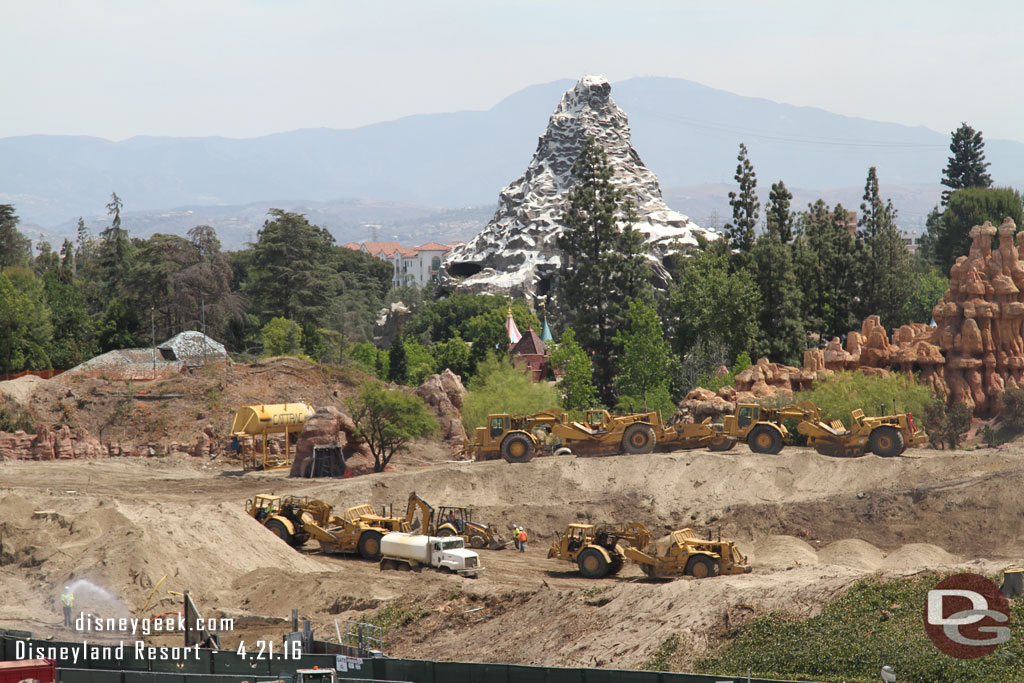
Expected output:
(781, 316)
(967, 167)
(116, 252)
(398, 370)
(645, 356)
(745, 209)
(779, 218)
(968, 207)
(606, 267)
(886, 274)
(15, 248)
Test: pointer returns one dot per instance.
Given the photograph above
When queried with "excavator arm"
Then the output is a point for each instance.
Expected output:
(426, 513)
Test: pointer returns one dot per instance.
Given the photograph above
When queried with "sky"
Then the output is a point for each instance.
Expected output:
(243, 68)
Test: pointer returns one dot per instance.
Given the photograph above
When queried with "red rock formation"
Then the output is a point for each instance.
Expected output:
(326, 427)
(443, 393)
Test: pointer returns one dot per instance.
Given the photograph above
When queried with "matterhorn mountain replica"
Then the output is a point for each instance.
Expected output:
(517, 252)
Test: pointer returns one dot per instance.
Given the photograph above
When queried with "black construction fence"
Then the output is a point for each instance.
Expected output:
(227, 666)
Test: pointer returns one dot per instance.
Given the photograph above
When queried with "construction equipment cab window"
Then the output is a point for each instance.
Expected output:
(498, 426)
(746, 416)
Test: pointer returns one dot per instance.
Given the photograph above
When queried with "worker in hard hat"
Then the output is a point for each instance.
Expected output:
(67, 601)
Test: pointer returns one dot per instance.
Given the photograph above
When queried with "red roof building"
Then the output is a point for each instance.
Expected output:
(531, 352)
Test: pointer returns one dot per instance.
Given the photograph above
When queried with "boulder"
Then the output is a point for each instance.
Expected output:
(443, 393)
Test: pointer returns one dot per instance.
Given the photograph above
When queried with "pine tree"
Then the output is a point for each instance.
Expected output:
(781, 317)
(967, 167)
(15, 248)
(745, 209)
(572, 364)
(398, 370)
(778, 218)
(116, 253)
(886, 274)
(606, 267)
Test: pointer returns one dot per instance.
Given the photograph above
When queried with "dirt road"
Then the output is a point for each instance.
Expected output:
(811, 525)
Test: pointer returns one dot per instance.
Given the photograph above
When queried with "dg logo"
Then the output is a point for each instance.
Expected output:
(967, 616)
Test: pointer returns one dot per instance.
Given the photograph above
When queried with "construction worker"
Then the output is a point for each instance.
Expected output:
(67, 599)
(515, 535)
(521, 537)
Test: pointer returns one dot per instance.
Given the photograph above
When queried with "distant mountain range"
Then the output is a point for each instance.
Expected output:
(405, 173)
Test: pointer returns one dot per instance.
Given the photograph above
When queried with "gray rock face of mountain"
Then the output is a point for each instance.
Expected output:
(517, 252)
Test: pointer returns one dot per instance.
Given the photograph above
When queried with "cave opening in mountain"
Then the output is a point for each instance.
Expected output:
(464, 269)
(544, 286)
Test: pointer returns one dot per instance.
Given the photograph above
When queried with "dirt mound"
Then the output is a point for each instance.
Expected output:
(22, 389)
(852, 552)
(916, 555)
(781, 551)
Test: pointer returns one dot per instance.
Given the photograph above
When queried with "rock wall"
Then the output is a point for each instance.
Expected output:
(444, 393)
(974, 352)
(326, 427)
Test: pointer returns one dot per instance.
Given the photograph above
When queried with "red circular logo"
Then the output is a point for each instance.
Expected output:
(966, 616)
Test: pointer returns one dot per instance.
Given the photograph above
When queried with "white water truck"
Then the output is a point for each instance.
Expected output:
(448, 553)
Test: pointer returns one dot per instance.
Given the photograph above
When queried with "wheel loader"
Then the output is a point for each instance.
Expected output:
(518, 438)
(689, 555)
(295, 520)
(597, 550)
(452, 520)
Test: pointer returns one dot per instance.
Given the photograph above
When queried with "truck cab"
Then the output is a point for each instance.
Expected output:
(451, 553)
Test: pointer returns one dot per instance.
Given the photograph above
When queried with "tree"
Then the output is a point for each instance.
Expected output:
(887, 261)
(745, 208)
(645, 355)
(605, 266)
(388, 420)
(827, 258)
(967, 167)
(399, 370)
(706, 301)
(969, 207)
(118, 327)
(15, 248)
(572, 364)
(781, 315)
(282, 337)
(778, 218)
(418, 361)
(116, 253)
(25, 327)
(290, 274)
(452, 355)
(500, 387)
(72, 327)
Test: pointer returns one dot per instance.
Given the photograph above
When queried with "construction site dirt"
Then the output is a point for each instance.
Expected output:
(810, 524)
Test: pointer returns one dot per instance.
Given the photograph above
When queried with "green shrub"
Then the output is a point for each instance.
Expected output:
(839, 395)
(500, 387)
(874, 623)
(1013, 409)
(714, 383)
(13, 417)
(947, 426)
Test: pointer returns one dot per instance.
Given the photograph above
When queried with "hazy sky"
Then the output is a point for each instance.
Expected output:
(241, 68)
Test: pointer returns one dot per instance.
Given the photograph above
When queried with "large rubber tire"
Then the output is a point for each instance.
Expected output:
(616, 566)
(445, 533)
(280, 530)
(517, 448)
(477, 541)
(721, 444)
(886, 442)
(369, 545)
(701, 567)
(764, 439)
(639, 439)
(592, 564)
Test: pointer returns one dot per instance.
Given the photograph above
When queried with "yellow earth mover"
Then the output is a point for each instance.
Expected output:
(518, 438)
(453, 520)
(295, 520)
(760, 427)
(690, 555)
(886, 436)
(597, 550)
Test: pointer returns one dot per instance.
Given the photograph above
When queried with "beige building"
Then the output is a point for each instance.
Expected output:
(414, 266)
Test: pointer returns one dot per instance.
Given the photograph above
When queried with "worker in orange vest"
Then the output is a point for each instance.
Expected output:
(521, 537)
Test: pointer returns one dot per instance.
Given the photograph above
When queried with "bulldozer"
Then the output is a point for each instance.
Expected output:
(689, 555)
(518, 438)
(295, 520)
(452, 520)
(597, 550)
(761, 427)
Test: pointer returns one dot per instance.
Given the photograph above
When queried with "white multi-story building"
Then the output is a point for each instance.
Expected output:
(414, 266)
